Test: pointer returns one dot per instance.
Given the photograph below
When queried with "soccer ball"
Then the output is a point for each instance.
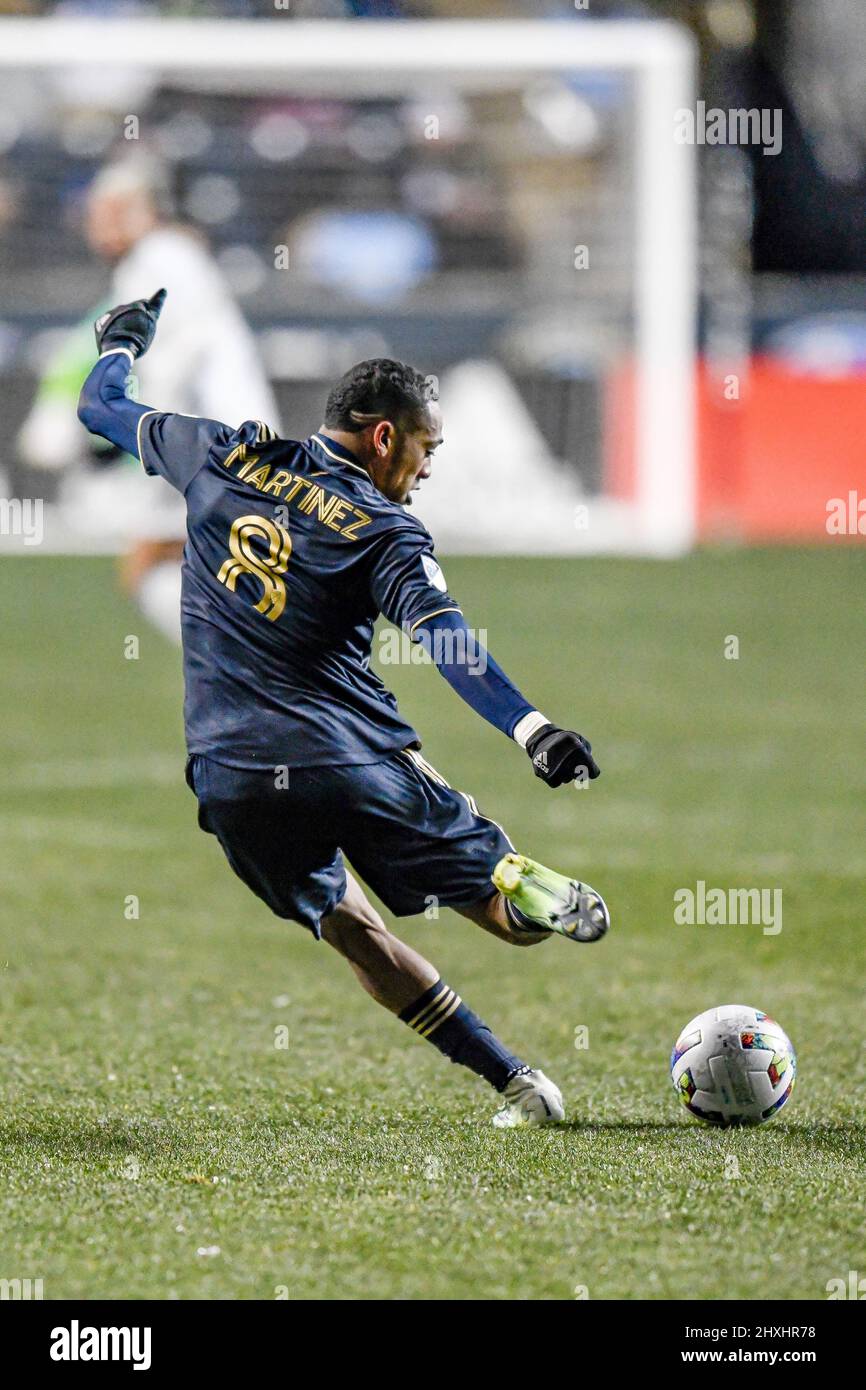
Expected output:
(733, 1066)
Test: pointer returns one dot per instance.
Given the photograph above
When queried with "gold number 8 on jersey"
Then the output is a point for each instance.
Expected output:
(266, 568)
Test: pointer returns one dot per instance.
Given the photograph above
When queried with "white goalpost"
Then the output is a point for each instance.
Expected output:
(351, 57)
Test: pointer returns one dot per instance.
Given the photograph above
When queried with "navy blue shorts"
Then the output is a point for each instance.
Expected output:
(409, 836)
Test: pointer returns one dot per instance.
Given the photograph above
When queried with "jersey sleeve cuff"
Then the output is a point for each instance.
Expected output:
(527, 726)
(452, 608)
(148, 468)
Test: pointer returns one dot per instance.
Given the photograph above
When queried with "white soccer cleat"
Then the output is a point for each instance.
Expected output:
(530, 1099)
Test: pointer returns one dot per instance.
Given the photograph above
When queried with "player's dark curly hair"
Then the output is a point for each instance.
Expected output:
(379, 389)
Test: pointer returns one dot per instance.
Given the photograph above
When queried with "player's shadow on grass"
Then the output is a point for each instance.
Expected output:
(619, 1126)
(830, 1137)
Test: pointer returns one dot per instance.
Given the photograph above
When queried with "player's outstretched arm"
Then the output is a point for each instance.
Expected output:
(172, 445)
(122, 334)
(558, 755)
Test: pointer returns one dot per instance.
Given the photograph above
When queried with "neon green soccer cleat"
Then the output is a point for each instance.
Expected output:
(548, 900)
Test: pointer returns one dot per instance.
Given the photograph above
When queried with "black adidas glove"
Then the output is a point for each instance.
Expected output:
(559, 756)
(130, 325)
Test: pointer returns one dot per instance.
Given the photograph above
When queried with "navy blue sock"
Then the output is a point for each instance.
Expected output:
(441, 1016)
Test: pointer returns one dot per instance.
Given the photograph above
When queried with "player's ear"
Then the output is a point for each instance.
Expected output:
(383, 437)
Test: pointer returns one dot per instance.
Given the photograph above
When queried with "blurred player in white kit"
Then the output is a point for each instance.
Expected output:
(207, 365)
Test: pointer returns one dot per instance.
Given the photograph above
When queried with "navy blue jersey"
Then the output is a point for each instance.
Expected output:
(291, 555)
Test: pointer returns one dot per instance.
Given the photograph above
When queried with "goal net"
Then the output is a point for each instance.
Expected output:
(504, 204)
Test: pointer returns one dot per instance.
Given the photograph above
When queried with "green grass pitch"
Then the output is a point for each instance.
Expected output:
(155, 1141)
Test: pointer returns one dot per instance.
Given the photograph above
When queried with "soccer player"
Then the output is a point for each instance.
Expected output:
(296, 749)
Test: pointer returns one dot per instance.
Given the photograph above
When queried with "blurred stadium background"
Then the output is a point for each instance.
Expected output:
(455, 248)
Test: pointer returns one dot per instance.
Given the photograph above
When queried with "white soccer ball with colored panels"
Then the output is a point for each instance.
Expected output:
(733, 1066)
